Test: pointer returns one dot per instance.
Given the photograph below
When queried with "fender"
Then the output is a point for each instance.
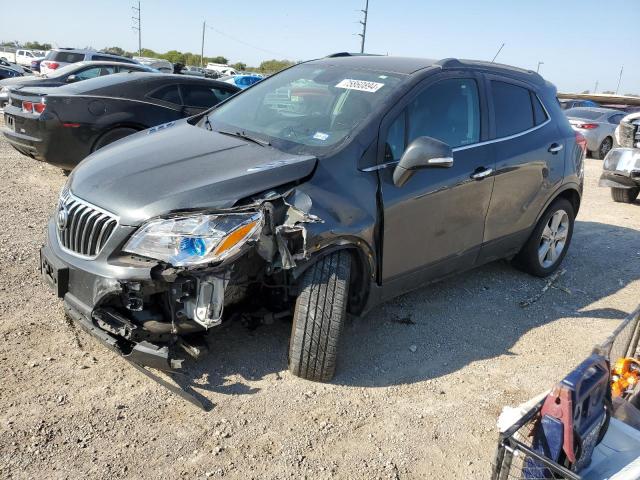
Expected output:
(562, 188)
(364, 267)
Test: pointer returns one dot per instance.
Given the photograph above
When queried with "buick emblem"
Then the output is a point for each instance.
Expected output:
(63, 217)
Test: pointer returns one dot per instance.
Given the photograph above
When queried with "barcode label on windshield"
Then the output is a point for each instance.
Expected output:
(362, 85)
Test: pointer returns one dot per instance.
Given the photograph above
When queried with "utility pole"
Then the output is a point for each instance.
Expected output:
(619, 79)
(138, 26)
(538, 67)
(364, 25)
(204, 26)
(497, 53)
(595, 89)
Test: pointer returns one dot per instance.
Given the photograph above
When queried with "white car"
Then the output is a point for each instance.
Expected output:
(25, 57)
(59, 57)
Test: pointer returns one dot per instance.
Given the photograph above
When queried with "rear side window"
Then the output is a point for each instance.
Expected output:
(615, 119)
(65, 57)
(513, 109)
(169, 94)
(202, 96)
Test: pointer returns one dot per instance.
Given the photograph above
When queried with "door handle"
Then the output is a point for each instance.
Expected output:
(481, 173)
(555, 148)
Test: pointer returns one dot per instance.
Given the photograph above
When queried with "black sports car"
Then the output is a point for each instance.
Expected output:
(72, 73)
(62, 125)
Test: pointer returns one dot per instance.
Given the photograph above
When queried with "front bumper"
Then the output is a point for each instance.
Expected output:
(84, 290)
(615, 180)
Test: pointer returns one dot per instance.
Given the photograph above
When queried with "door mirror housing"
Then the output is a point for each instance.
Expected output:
(423, 152)
(71, 78)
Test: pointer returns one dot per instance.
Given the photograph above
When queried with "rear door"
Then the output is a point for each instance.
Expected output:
(529, 155)
(433, 225)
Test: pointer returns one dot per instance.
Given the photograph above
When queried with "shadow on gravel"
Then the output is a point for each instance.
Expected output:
(440, 328)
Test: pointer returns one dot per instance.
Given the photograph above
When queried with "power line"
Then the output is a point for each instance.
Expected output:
(364, 26)
(220, 32)
(138, 26)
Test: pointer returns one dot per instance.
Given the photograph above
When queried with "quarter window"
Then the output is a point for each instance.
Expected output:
(513, 108)
(539, 115)
(202, 96)
(169, 94)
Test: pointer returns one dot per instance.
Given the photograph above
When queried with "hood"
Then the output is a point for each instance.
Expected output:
(180, 166)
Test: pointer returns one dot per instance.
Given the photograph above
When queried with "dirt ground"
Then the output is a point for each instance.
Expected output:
(419, 387)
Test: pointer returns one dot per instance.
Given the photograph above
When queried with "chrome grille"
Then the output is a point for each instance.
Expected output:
(82, 228)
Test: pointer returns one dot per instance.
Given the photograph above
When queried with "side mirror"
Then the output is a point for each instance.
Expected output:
(423, 152)
(71, 78)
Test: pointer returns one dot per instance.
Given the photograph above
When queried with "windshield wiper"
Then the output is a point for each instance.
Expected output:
(244, 136)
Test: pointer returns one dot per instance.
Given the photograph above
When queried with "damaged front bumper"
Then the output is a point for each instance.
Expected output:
(152, 313)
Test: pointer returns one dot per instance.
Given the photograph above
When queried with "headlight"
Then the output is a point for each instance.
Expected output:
(194, 239)
(622, 160)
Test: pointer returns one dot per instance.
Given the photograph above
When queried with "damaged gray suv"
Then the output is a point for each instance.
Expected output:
(323, 190)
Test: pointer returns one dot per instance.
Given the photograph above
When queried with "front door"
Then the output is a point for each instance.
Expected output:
(434, 224)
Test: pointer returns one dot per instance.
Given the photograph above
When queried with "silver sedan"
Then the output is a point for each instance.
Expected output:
(597, 125)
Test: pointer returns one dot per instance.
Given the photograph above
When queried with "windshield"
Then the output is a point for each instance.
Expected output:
(307, 108)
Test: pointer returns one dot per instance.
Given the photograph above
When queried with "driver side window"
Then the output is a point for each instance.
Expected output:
(448, 111)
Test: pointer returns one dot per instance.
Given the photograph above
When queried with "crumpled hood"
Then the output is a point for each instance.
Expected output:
(180, 166)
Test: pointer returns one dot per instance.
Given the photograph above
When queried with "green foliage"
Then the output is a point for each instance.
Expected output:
(37, 46)
(117, 51)
(273, 66)
(239, 66)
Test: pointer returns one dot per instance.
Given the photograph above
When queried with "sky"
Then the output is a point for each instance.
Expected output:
(580, 42)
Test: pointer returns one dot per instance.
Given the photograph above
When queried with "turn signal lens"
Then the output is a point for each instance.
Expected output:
(27, 107)
(235, 237)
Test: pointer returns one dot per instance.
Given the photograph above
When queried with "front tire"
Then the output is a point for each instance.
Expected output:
(624, 195)
(319, 316)
(549, 241)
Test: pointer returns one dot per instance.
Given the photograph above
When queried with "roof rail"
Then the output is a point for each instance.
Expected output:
(351, 54)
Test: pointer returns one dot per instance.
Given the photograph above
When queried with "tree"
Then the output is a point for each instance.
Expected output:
(239, 66)
(218, 59)
(37, 46)
(273, 66)
(609, 92)
(585, 92)
(117, 51)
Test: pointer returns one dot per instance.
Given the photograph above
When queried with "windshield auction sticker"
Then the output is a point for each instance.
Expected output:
(362, 85)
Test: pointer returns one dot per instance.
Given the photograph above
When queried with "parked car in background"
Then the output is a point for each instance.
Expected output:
(35, 65)
(14, 66)
(59, 57)
(621, 169)
(75, 72)
(62, 125)
(191, 70)
(221, 69)
(597, 125)
(374, 176)
(164, 66)
(566, 104)
(241, 81)
(8, 72)
(24, 57)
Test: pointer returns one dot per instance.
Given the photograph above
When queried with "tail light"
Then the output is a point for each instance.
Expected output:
(587, 126)
(35, 108)
(581, 141)
(51, 65)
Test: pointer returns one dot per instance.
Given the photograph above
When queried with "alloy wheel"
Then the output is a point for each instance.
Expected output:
(553, 239)
(606, 145)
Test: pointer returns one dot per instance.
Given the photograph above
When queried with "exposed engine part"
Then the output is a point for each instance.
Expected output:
(132, 292)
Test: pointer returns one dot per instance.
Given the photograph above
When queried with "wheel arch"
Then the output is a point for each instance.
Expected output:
(569, 191)
(362, 268)
(134, 125)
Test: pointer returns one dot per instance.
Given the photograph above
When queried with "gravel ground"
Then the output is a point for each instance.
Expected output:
(420, 383)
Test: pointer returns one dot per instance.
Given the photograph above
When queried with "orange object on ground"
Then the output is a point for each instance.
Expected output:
(625, 375)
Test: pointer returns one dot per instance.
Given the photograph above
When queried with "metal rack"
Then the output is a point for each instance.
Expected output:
(515, 458)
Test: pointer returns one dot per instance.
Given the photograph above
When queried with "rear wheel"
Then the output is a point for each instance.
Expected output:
(625, 195)
(549, 242)
(319, 316)
(112, 136)
(603, 149)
